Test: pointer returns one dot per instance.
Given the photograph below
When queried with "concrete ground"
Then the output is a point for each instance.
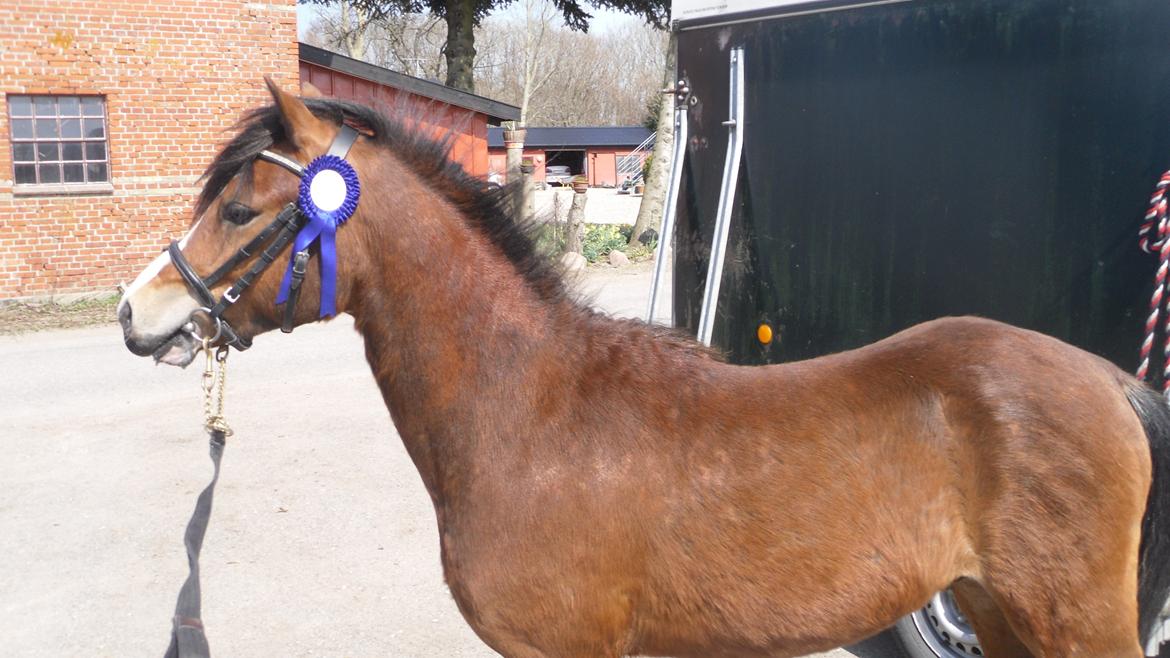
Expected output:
(603, 205)
(322, 543)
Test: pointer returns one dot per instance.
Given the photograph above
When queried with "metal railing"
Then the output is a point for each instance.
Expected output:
(631, 163)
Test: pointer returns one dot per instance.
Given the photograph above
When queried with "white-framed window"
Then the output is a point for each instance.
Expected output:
(59, 143)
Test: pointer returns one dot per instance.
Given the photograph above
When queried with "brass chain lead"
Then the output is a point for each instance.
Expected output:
(213, 388)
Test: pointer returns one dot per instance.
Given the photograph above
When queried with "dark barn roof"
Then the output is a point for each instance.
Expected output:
(552, 138)
(495, 110)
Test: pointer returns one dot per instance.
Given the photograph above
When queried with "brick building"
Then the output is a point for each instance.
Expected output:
(111, 109)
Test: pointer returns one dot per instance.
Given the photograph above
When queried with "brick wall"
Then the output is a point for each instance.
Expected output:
(176, 76)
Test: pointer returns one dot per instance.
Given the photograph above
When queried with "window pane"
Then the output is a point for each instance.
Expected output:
(71, 128)
(47, 151)
(94, 128)
(74, 173)
(68, 106)
(20, 106)
(22, 128)
(26, 174)
(45, 106)
(95, 150)
(46, 128)
(71, 151)
(97, 173)
(50, 173)
(91, 106)
(23, 152)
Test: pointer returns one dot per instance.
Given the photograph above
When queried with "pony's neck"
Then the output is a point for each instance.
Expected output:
(457, 339)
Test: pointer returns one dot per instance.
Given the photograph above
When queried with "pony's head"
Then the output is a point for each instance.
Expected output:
(248, 211)
(414, 200)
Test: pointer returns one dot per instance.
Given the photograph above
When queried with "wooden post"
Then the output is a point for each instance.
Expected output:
(574, 240)
(525, 198)
(514, 144)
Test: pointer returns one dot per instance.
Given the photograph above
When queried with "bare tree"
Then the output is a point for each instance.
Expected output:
(407, 43)
(654, 196)
(520, 54)
(412, 44)
(538, 68)
(582, 79)
(343, 29)
(464, 16)
(525, 56)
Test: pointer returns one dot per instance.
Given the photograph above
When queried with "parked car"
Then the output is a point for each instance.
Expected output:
(558, 175)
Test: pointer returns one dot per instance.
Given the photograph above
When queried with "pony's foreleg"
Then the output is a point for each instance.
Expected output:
(995, 634)
(1068, 619)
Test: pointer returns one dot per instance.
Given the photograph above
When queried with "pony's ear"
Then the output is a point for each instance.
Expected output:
(309, 90)
(306, 132)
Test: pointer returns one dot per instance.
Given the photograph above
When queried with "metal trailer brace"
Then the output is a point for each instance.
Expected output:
(735, 128)
(682, 97)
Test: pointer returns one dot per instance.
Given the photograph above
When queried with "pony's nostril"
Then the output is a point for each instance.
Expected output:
(124, 315)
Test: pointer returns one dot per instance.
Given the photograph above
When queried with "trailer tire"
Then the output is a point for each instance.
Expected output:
(937, 631)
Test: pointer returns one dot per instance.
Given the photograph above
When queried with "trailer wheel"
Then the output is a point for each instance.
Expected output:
(937, 631)
(940, 631)
(1163, 633)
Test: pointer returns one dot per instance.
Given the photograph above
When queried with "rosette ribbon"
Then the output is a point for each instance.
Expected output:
(328, 196)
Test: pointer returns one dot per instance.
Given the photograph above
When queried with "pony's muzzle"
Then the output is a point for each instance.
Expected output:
(135, 345)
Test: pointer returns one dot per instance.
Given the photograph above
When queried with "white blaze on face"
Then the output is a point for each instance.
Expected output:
(147, 275)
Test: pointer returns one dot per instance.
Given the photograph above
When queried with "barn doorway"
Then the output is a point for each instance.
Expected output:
(573, 159)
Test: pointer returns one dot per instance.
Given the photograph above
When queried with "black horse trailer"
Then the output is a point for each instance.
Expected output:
(849, 169)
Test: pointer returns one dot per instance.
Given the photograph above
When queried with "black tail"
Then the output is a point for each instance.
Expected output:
(1154, 565)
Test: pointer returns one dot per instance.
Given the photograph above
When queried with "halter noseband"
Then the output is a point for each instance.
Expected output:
(283, 229)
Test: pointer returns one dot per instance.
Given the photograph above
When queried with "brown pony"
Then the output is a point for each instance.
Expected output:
(606, 488)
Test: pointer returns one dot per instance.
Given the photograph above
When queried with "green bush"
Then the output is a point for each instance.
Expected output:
(600, 239)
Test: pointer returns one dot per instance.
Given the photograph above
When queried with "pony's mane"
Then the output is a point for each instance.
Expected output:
(486, 210)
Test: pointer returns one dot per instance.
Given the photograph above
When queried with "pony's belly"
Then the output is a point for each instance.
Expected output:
(797, 622)
(790, 591)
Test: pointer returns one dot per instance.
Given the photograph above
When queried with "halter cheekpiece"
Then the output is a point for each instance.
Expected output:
(327, 197)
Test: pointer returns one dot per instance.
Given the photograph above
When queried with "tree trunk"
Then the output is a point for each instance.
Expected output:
(574, 239)
(460, 47)
(654, 196)
(354, 32)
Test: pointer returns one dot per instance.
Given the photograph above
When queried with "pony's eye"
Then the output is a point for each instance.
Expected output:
(237, 213)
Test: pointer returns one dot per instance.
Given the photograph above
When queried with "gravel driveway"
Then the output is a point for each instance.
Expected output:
(322, 542)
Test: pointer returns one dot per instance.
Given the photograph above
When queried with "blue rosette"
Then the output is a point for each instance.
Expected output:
(328, 196)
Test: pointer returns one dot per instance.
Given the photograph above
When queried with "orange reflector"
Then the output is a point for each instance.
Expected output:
(764, 333)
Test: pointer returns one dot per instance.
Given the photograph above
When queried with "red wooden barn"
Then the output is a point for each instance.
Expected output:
(437, 107)
(606, 155)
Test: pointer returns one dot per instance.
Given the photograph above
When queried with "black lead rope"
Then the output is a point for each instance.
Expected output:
(187, 638)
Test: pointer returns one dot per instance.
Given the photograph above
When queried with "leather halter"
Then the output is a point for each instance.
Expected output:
(277, 235)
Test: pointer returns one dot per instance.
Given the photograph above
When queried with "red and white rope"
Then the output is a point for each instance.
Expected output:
(1154, 238)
